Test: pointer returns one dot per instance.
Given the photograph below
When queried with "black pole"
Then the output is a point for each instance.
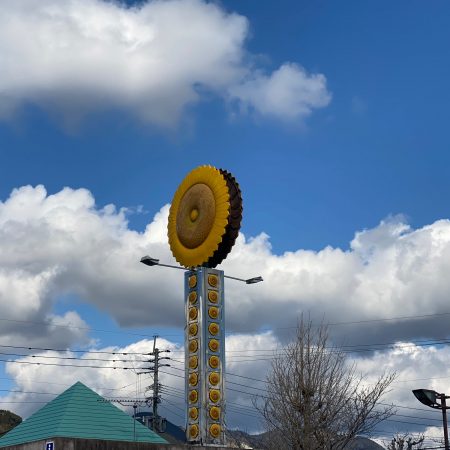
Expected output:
(134, 421)
(155, 386)
(444, 420)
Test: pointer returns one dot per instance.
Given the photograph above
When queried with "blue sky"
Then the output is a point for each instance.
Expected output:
(380, 142)
(353, 138)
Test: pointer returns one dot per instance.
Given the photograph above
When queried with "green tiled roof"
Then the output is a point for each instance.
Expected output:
(79, 412)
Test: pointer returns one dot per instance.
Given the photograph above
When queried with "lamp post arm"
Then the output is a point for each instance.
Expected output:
(148, 261)
(171, 266)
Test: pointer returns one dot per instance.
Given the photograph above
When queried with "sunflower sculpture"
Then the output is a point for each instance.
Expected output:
(205, 217)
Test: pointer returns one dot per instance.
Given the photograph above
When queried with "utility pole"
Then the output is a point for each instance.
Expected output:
(155, 399)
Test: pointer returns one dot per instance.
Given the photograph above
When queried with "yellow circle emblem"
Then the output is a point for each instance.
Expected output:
(213, 280)
(213, 312)
(193, 379)
(215, 430)
(213, 328)
(193, 396)
(192, 281)
(214, 413)
(214, 395)
(213, 345)
(193, 313)
(193, 345)
(193, 431)
(192, 297)
(204, 217)
(214, 362)
(193, 413)
(193, 362)
(214, 378)
(213, 297)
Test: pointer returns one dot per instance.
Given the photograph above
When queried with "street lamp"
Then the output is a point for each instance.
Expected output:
(204, 350)
(437, 401)
(149, 261)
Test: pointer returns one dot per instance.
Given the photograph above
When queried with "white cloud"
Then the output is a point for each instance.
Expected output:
(417, 367)
(151, 60)
(58, 244)
(53, 245)
(289, 93)
(40, 383)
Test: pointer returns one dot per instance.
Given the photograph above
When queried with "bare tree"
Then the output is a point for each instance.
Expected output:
(315, 400)
(406, 442)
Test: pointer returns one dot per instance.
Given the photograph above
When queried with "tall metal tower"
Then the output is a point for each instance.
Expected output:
(204, 222)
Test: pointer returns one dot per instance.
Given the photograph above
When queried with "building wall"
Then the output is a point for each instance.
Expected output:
(89, 444)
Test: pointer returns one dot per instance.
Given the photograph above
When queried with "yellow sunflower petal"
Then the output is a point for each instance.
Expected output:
(198, 216)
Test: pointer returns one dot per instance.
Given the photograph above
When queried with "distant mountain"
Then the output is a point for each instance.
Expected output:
(241, 439)
(362, 443)
(8, 421)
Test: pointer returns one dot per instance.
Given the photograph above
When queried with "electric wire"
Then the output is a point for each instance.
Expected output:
(236, 409)
(75, 351)
(395, 414)
(71, 358)
(180, 394)
(173, 412)
(65, 365)
(265, 390)
(361, 347)
(50, 325)
(352, 322)
(175, 375)
(344, 348)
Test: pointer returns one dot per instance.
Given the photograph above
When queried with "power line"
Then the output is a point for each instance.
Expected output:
(383, 319)
(173, 412)
(74, 351)
(27, 392)
(229, 382)
(65, 365)
(235, 390)
(399, 343)
(265, 381)
(263, 396)
(258, 354)
(69, 358)
(178, 393)
(235, 407)
(405, 407)
(247, 378)
(355, 348)
(265, 390)
(21, 402)
(50, 324)
(352, 322)
(67, 384)
(419, 316)
(174, 405)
